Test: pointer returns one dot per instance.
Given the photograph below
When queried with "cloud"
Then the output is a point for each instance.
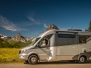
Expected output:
(33, 20)
(4, 23)
(45, 26)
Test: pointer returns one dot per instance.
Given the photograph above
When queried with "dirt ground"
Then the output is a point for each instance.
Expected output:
(47, 65)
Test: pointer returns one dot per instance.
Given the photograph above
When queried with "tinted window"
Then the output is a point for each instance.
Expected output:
(82, 39)
(66, 36)
(45, 42)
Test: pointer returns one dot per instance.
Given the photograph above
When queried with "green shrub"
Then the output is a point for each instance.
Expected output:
(13, 44)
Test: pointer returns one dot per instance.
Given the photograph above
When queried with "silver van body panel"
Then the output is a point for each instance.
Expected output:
(60, 48)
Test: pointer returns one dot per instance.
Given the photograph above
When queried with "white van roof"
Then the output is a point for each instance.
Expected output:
(54, 30)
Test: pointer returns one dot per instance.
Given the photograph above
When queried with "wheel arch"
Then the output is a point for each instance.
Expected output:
(83, 55)
(34, 54)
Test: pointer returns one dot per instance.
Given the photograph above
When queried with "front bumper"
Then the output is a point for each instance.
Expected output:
(23, 56)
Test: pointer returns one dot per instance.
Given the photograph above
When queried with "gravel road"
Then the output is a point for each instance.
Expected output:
(46, 65)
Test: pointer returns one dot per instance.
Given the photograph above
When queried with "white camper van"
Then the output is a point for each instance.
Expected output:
(58, 45)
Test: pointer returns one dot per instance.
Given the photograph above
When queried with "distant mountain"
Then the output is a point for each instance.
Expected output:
(19, 37)
(52, 26)
(29, 38)
(3, 37)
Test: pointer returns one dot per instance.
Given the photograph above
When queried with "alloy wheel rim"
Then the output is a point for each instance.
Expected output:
(33, 59)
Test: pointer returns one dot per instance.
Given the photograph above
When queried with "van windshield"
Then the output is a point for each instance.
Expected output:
(34, 41)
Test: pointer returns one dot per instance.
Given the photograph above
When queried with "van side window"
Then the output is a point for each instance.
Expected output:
(45, 42)
(82, 39)
(66, 39)
(66, 36)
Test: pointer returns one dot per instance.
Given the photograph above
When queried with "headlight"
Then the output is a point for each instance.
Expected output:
(23, 51)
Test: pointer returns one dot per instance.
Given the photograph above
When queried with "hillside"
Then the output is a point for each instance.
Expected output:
(16, 41)
(19, 38)
(52, 26)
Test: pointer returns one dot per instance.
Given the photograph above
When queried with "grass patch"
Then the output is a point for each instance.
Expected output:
(9, 55)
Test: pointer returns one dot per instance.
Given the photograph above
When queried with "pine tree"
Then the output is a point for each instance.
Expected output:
(1, 42)
(89, 26)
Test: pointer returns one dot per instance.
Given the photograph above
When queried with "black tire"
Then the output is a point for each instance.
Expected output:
(33, 59)
(26, 62)
(82, 59)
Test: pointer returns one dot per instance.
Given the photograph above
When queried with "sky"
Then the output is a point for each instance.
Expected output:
(31, 17)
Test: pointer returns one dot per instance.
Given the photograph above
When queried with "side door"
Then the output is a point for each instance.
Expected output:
(66, 46)
(44, 47)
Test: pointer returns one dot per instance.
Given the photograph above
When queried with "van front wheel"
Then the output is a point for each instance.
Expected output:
(33, 59)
